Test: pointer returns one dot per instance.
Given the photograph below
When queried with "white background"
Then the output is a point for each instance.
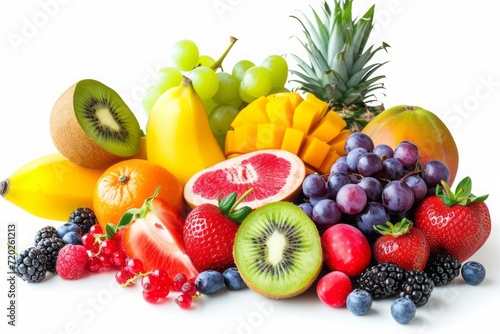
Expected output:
(443, 57)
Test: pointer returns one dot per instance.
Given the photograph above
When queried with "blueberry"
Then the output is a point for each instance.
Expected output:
(72, 238)
(68, 227)
(359, 301)
(232, 279)
(403, 310)
(209, 282)
(473, 272)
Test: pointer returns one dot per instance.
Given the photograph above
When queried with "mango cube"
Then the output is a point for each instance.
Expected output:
(253, 113)
(292, 140)
(245, 138)
(329, 126)
(269, 136)
(314, 151)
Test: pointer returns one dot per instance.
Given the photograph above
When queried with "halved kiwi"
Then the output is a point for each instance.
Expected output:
(92, 126)
(277, 250)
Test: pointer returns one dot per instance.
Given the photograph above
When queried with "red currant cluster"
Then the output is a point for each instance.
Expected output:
(156, 284)
(103, 252)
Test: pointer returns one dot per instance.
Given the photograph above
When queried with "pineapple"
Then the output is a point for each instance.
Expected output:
(338, 69)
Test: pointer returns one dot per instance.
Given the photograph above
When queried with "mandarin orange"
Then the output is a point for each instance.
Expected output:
(128, 183)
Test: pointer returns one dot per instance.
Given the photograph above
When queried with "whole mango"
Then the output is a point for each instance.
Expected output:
(420, 126)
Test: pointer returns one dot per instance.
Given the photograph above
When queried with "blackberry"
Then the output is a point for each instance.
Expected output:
(50, 247)
(45, 232)
(382, 280)
(417, 286)
(30, 265)
(442, 268)
(83, 217)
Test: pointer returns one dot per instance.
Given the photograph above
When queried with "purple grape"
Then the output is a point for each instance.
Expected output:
(407, 153)
(372, 187)
(433, 172)
(315, 200)
(314, 185)
(392, 169)
(418, 186)
(326, 213)
(384, 151)
(351, 199)
(307, 208)
(373, 214)
(353, 158)
(397, 196)
(339, 167)
(358, 140)
(335, 182)
(369, 164)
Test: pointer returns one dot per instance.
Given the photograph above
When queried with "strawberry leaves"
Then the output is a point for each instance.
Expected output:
(228, 206)
(462, 195)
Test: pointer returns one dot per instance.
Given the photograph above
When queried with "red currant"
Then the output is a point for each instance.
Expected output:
(105, 261)
(178, 281)
(135, 266)
(150, 296)
(184, 301)
(95, 229)
(189, 289)
(93, 264)
(123, 275)
(150, 282)
(90, 243)
(108, 247)
(118, 258)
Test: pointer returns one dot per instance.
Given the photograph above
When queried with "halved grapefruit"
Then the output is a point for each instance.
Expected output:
(274, 175)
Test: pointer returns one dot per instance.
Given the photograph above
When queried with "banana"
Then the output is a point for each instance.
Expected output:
(178, 133)
(51, 187)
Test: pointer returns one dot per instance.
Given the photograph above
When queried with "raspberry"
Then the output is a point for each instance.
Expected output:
(71, 261)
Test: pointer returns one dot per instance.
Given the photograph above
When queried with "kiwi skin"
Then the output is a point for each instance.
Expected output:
(74, 143)
(314, 255)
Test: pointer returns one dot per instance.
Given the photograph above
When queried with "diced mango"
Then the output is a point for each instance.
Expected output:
(245, 138)
(229, 147)
(306, 116)
(314, 151)
(269, 136)
(322, 105)
(329, 160)
(337, 144)
(253, 113)
(329, 126)
(280, 111)
(292, 140)
(294, 97)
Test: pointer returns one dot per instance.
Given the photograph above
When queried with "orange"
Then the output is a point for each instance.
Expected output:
(128, 183)
(421, 127)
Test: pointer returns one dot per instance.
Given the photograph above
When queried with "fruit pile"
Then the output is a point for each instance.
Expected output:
(307, 189)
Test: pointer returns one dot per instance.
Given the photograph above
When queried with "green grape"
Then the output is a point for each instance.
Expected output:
(240, 68)
(278, 67)
(220, 120)
(168, 77)
(256, 82)
(205, 81)
(206, 60)
(149, 98)
(228, 88)
(275, 90)
(185, 55)
(209, 104)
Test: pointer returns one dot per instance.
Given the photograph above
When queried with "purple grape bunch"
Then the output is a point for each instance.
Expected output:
(371, 185)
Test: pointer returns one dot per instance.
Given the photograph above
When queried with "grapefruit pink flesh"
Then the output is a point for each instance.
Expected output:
(273, 174)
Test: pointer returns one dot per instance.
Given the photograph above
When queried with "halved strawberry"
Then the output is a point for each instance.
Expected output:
(154, 235)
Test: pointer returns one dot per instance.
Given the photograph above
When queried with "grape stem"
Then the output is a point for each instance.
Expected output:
(218, 62)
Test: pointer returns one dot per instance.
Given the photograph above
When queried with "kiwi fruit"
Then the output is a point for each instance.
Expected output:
(92, 126)
(277, 250)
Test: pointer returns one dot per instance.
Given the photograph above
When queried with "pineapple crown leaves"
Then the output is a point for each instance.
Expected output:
(400, 228)
(228, 204)
(462, 195)
(335, 45)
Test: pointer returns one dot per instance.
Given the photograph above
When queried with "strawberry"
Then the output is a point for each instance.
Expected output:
(153, 234)
(459, 223)
(210, 230)
(401, 244)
